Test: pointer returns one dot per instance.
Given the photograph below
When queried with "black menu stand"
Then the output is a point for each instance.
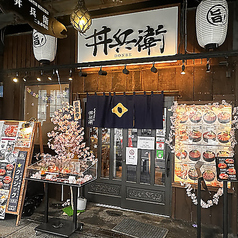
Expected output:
(199, 228)
(225, 210)
(56, 226)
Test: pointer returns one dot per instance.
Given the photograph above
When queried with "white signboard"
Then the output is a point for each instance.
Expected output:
(131, 155)
(146, 143)
(134, 35)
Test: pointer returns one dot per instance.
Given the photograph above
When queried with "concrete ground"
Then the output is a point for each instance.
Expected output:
(99, 221)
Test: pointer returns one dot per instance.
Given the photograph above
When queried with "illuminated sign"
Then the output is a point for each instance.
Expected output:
(127, 36)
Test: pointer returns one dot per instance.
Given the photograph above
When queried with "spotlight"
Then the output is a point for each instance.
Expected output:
(125, 70)
(70, 75)
(183, 68)
(39, 78)
(102, 72)
(82, 74)
(25, 77)
(208, 67)
(15, 79)
(50, 78)
(153, 69)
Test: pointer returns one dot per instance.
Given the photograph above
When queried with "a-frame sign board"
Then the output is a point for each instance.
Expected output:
(17, 138)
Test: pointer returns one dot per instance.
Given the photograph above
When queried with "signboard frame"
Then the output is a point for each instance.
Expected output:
(29, 153)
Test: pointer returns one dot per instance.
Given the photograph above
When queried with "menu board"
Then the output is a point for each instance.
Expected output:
(14, 137)
(202, 133)
(17, 181)
(3, 202)
(226, 169)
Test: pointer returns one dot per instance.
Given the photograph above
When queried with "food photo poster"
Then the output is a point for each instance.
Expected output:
(202, 133)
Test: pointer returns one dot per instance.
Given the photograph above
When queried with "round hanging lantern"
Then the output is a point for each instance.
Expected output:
(211, 23)
(44, 47)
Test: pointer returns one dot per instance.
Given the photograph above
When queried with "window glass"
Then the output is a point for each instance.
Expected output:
(94, 140)
(105, 159)
(117, 156)
(41, 101)
(145, 166)
(132, 142)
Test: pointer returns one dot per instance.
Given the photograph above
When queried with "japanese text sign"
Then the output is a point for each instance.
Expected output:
(127, 36)
(36, 16)
(146, 143)
(17, 181)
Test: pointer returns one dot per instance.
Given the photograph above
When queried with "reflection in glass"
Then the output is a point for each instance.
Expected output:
(94, 140)
(159, 171)
(117, 156)
(132, 138)
(145, 166)
(132, 142)
(105, 153)
(146, 132)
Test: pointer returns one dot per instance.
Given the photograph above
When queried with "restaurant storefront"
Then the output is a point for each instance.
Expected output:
(146, 180)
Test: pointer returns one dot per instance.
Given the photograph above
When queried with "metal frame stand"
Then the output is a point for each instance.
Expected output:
(225, 210)
(56, 226)
(199, 227)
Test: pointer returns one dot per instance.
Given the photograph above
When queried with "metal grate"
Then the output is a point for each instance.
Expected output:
(138, 229)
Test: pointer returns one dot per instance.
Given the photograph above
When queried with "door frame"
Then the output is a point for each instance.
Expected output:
(142, 197)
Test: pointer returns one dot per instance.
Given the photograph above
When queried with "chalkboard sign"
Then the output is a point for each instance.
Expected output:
(17, 181)
(226, 170)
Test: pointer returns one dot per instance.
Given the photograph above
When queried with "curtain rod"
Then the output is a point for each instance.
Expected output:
(150, 60)
(166, 92)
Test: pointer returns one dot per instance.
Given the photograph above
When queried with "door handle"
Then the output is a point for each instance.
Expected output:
(167, 165)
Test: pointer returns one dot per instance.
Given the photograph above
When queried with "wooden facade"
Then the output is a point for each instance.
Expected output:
(195, 86)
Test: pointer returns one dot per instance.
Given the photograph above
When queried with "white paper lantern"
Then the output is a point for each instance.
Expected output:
(211, 23)
(44, 47)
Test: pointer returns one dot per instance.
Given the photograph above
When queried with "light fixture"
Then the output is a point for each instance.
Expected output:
(125, 70)
(70, 75)
(15, 79)
(208, 67)
(44, 47)
(153, 69)
(102, 72)
(183, 68)
(211, 23)
(39, 78)
(80, 17)
(82, 74)
(25, 77)
(50, 78)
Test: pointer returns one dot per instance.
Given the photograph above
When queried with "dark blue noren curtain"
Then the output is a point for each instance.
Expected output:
(96, 109)
(119, 111)
(149, 111)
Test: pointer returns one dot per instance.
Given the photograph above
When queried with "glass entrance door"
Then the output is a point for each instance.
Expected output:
(133, 168)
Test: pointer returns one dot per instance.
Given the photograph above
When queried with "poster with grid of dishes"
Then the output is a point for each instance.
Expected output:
(202, 133)
(14, 135)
